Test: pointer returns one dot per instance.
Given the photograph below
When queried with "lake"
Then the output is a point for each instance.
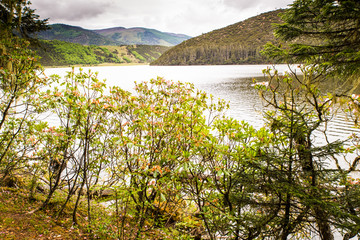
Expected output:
(229, 82)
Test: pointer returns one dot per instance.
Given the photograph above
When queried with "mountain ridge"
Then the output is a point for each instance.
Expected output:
(73, 34)
(141, 35)
(111, 36)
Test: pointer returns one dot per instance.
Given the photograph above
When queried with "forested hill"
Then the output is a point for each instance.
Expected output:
(61, 53)
(74, 34)
(111, 36)
(239, 43)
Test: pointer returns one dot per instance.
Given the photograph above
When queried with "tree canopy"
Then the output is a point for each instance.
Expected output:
(17, 16)
(323, 32)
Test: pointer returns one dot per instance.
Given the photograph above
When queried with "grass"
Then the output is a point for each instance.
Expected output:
(17, 223)
(19, 219)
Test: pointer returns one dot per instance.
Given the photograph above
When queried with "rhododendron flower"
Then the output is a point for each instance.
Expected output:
(260, 84)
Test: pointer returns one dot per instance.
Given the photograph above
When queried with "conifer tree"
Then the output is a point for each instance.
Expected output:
(323, 32)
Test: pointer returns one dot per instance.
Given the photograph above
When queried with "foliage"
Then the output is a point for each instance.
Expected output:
(126, 59)
(275, 182)
(146, 53)
(18, 17)
(20, 82)
(239, 43)
(313, 173)
(138, 56)
(321, 32)
(59, 53)
(132, 141)
(159, 137)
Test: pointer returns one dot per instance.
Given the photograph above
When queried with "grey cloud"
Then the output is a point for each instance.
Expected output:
(191, 17)
(70, 10)
(241, 4)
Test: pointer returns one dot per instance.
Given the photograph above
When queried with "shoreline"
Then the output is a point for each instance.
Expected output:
(97, 65)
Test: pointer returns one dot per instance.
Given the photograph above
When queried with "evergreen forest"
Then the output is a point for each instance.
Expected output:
(240, 43)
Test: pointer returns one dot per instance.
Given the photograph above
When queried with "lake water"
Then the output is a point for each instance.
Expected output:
(229, 82)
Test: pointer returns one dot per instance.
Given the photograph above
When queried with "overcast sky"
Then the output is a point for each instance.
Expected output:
(191, 17)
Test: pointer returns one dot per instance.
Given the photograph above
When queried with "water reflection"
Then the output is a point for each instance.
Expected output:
(245, 103)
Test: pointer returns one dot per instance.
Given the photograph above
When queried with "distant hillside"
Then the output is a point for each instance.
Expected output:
(239, 43)
(74, 34)
(111, 36)
(60, 53)
(142, 36)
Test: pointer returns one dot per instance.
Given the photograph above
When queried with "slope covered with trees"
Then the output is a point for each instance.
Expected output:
(60, 53)
(236, 44)
(67, 33)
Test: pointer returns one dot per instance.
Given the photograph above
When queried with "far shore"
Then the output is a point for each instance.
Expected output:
(96, 65)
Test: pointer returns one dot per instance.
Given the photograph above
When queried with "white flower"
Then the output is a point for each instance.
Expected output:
(354, 96)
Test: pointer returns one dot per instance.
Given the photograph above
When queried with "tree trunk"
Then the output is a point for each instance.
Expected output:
(322, 221)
